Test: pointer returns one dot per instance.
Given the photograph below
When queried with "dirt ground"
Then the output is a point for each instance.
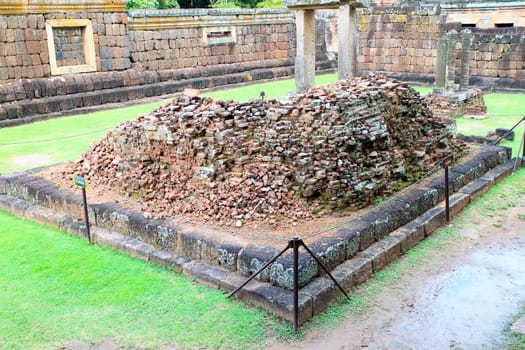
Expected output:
(461, 297)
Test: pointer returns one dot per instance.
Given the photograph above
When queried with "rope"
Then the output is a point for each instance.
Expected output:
(508, 132)
(234, 232)
(54, 139)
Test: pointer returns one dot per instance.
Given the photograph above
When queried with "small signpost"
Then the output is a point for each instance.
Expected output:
(82, 183)
(446, 162)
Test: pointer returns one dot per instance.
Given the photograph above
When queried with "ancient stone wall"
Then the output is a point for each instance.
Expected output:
(497, 55)
(24, 42)
(147, 53)
(402, 42)
(204, 37)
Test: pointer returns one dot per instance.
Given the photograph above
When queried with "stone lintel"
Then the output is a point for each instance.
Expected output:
(321, 4)
(20, 7)
(150, 21)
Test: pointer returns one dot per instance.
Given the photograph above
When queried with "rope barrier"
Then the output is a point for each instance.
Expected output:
(54, 139)
(234, 232)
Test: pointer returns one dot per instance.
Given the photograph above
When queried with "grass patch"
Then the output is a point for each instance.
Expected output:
(278, 89)
(504, 111)
(64, 139)
(513, 341)
(273, 89)
(55, 288)
(61, 139)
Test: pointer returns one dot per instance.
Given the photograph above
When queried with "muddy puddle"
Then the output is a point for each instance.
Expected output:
(466, 308)
(461, 299)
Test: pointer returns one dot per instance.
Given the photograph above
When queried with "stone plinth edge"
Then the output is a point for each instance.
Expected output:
(360, 250)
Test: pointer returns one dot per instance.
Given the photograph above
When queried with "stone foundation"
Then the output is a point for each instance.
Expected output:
(362, 246)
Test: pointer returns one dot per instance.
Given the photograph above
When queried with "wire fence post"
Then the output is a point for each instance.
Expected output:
(295, 244)
(523, 145)
(446, 163)
(83, 183)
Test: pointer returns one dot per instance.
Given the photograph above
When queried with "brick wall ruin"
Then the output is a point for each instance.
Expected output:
(333, 147)
(402, 42)
(203, 37)
(148, 53)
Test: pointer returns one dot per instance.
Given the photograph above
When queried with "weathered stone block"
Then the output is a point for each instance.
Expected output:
(353, 271)
(364, 229)
(210, 276)
(432, 219)
(278, 301)
(189, 243)
(252, 258)
(281, 272)
(409, 235)
(13, 205)
(322, 291)
(168, 260)
(331, 251)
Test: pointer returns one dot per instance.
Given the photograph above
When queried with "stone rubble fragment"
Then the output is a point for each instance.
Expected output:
(333, 147)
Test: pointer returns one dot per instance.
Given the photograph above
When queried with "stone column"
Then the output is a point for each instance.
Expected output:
(305, 55)
(441, 64)
(347, 32)
(452, 38)
(466, 41)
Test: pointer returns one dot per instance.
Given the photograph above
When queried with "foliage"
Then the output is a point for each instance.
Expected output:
(270, 4)
(152, 4)
(223, 4)
(56, 289)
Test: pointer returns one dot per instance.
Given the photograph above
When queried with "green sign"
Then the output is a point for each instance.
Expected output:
(80, 181)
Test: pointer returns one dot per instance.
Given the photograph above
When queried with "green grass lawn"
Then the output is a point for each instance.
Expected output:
(504, 110)
(55, 288)
(58, 140)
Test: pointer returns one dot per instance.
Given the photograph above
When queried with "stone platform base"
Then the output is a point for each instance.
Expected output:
(364, 245)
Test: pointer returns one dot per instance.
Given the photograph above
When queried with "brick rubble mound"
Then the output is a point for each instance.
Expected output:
(333, 147)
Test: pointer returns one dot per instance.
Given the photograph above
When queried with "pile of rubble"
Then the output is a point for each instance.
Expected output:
(336, 146)
(458, 103)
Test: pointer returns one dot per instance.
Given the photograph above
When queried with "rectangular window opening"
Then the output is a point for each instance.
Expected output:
(219, 36)
(468, 25)
(222, 34)
(504, 25)
(69, 46)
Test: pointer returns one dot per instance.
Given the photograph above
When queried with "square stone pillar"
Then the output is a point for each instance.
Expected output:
(452, 38)
(442, 64)
(466, 42)
(348, 36)
(305, 53)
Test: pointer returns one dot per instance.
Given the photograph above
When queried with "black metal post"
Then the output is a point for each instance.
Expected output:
(84, 199)
(264, 267)
(447, 202)
(523, 145)
(296, 242)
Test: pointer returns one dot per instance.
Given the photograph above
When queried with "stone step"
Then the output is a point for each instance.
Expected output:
(316, 295)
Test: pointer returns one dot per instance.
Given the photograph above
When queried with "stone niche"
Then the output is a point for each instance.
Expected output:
(71, 46)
